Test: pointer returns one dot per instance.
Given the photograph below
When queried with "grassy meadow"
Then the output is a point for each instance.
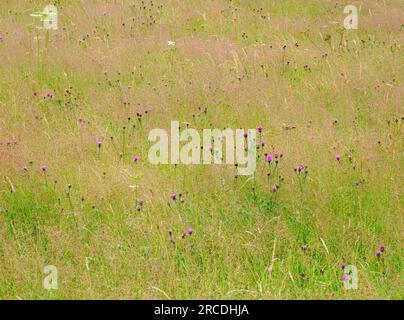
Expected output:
(78, 192)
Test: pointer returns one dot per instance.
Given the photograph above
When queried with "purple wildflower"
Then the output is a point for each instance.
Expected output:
(378, 253)
(173, 196)
(190, 230)
(259, 129)
(338, 157)
(24, 168)
(345, 277)
(342, 265)
(382, 248)
(268, 158)
(43, 168)
(136, 158)
(300, 167)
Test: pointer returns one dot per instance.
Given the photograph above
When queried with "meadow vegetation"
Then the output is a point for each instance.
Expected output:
(77, 190)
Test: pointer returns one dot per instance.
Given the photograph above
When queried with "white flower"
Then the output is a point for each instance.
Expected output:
(171, 43)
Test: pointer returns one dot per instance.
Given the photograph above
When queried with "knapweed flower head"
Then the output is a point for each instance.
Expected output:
(345, 277)
(259, 129)
(382, 248)
(378, 253)
(139, 200)
(300, 167)
(173, 196)
(138, 207)
(24, 168)
(278, 154)
(170, 236)
(338, 157)
(342, 265)
(43, 168)
(245, 134)
(305, 247)
(190, 230)
(99, 142)
(268, 158)
(35, 93)
(136, 158)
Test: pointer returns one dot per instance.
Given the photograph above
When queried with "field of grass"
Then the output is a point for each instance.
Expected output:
(77, 105)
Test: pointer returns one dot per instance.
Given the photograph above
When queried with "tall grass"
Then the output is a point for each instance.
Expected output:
(108, 74)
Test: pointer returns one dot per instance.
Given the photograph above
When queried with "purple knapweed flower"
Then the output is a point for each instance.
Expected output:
(382, 248)
(245, 134)
(173, 196)
(190, 230)
(342, 265)
(259, 129)
(24, 168)
(338, 157)
(268, 158)
(136, 158)
(99, 142)
(300, 167)
(139, 200)
(43, 168)
(345, 277)
(138, 207)
(35, 93)
(378, 253)
(278, 154)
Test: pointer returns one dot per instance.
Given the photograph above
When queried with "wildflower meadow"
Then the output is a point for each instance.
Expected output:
(215, 149)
